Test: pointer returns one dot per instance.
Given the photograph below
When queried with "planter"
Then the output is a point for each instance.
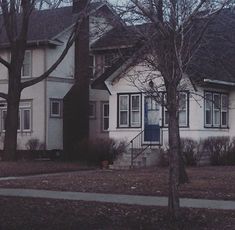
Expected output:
(105, 164)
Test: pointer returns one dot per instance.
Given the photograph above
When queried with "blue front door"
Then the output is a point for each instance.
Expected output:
(151, 120)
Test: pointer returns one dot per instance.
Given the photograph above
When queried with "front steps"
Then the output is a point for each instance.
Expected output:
(149, 157)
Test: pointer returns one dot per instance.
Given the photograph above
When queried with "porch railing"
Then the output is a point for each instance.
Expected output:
(136, 144)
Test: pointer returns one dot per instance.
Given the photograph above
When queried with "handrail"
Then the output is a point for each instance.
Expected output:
(137, 143)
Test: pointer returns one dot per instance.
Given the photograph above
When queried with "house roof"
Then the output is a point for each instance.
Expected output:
(45, 25)
(121, 37)
(214, 60)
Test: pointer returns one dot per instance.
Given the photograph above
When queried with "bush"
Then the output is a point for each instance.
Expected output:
(100, 149)
(34, 144)
(188, 150)
(163, 157)
(220, 149)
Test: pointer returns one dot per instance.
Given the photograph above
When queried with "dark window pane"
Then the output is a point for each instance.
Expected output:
(106, 123)
(224, 118)
(26, 118)
(55, 110)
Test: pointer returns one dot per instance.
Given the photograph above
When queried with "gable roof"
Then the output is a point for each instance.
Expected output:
(215, 60)
(45, 25)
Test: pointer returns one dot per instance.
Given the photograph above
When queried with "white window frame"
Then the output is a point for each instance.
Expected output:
(208, 109)
(24, 105)
(127, 110)
(30, 65)
(22, 119)
(135, 124)
(214, 109)
(186, 110)
(224, 110)
(59, 101)
(105, 116)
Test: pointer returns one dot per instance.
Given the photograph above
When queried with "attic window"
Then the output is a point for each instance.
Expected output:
(109, 59)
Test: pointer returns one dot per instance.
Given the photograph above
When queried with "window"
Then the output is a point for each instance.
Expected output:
(129, 110)
(135, 110)
(92, 109)
(55, 107)
(183, 111)
(91, 66)
(105, 116)
(224, 110)
(124, 110)
(26, 68)
(216, 109)
(24, 119)
(109, 60)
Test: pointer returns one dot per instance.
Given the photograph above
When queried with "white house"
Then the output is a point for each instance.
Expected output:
(41, 106)
(207, 104)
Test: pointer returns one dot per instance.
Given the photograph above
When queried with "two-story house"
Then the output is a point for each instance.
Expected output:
(41, 106)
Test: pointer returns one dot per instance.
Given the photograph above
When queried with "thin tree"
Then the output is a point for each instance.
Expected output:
(175, 29)
(16, 23)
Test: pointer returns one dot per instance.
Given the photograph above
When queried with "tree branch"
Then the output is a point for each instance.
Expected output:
(3, 95)
(70, 42)
(5, 63)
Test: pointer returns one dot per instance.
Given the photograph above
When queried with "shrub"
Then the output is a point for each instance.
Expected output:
(163, 157)
(34, 144)
(99, 149)
(188, 150)
(218, 149)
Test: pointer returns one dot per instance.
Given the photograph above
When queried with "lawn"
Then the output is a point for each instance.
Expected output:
(205, 182)
(22, 168)
(29, 213)
(37, 214)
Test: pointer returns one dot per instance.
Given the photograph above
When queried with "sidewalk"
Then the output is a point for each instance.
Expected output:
(116, 198)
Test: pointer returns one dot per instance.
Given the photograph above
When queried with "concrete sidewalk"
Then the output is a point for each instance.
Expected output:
(117, 198)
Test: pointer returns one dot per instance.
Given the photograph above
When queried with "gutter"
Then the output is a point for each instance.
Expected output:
(227, 83)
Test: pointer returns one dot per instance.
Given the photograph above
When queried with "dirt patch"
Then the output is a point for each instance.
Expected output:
(205, 182)
(27, 213)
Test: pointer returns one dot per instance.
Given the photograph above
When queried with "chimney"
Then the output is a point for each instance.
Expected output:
(75, 6)
(79, 5)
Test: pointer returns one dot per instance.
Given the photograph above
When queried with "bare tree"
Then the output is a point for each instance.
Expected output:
(170, 39)
(16, 23)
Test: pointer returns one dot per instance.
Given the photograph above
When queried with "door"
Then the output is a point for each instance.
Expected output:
(151, 120)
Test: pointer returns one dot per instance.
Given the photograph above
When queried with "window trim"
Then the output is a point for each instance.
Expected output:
(212, 125)
(21, 116)
(59, 101)
(129, 96)
(22, 119)
(103, 116)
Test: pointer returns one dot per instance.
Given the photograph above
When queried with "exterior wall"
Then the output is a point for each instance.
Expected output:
(99, 97)
(66, 68)
(4, 72)
(35, 94)
(55, 90)
(196, 129)
(232, 113)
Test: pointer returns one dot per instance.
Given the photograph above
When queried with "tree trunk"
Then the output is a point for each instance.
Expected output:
(11, 126)
(173, 134)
